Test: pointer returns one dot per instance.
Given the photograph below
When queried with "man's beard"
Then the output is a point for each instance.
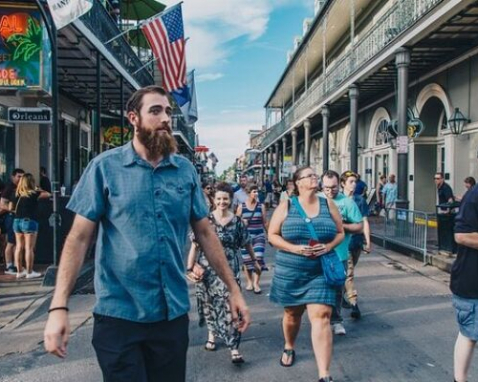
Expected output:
(158, 143)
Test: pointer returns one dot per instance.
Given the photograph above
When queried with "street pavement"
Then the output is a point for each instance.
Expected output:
(406, 333)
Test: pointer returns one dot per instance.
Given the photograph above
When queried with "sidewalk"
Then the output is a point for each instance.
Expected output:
(24, 305)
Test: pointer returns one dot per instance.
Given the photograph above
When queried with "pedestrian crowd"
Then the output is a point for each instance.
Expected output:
(19, 224)
(319, 229)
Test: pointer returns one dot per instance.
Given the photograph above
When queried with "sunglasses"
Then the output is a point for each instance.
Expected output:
(310, 176)
(350, 173)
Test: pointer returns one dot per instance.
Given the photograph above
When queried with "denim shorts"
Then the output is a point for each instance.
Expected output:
(25, 226)
(465, 311)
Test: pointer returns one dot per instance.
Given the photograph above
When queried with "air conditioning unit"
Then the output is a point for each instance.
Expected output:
(318, 5)
(306, 25)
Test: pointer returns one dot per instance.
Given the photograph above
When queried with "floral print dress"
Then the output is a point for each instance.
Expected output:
(211, 293)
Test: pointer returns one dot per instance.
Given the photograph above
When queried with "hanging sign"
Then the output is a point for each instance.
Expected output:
(29, 114)
(402, 144)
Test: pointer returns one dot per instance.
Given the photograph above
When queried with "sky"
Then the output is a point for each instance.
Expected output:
(238, 50)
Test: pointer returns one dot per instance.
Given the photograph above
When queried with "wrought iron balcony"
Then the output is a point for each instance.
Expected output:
(402, 15)
(186, 132)
(100, 23)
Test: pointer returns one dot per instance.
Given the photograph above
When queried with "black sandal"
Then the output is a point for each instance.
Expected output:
(210, 346)
(291, 354)
(237, 359)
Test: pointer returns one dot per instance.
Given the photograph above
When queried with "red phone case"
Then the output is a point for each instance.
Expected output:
(313, 242)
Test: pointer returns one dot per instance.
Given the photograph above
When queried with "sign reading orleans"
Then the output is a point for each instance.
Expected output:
(29, 114)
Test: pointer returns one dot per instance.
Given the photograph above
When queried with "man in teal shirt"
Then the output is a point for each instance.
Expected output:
(352, 222)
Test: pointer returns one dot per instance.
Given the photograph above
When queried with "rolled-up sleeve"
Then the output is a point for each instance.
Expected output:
(89, 197)
(199, 208)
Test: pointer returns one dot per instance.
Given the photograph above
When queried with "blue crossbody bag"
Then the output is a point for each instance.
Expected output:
(333, 267)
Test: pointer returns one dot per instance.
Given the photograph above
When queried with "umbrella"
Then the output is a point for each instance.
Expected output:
(140, 9)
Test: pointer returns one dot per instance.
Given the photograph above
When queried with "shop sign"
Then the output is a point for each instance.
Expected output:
(24, 48)
(29, 114)
(287, 165)
(112, 135)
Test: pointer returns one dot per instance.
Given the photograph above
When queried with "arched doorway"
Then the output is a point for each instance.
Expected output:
(429, 150)
(380, 154)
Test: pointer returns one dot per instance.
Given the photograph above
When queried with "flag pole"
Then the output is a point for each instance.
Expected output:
(151, 61)
(166, 11)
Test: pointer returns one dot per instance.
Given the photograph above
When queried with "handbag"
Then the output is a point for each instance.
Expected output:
(333, 267)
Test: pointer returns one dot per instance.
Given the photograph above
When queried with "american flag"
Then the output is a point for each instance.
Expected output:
(165, 34)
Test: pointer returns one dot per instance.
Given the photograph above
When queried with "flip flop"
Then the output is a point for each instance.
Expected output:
(249, 289)
(210, 346)
(257, 291)
(237, 359)
(291, 354)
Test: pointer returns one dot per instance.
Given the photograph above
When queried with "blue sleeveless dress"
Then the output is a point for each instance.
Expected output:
(299, 280)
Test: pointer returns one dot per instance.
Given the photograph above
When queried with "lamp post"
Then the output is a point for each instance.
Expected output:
(50, 275)
(333, 154)
(457, 122)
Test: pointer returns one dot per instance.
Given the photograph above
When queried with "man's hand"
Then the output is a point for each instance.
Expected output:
(239, 309)
(57, 332)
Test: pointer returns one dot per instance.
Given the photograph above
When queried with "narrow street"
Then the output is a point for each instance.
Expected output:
(407, 333)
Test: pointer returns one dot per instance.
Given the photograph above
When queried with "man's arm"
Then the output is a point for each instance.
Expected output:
(57, 328)
(353, 227)
(467, 239)
(212, 247)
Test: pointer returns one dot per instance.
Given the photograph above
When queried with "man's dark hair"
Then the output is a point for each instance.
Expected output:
(225, 187)
(135, 102)
(440, 174)
(330, 174)
(251, 187)
(42, 170)
(18, 171)
(470, 180)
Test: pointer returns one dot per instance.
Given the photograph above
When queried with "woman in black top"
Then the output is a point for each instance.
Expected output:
(25, 224)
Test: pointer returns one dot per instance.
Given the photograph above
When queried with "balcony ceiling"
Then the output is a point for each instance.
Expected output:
(310, 54)
(77, 72)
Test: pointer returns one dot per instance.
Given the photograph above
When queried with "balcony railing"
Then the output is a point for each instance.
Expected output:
(100, 23)
(401, 16)
(187, 131)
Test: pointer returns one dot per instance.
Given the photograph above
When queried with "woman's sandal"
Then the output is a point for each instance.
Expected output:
(210, 345)
(290, 354)
(237, 359)
(257, 290)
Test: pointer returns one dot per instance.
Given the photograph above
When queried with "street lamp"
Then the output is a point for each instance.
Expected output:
(333, 154)
(457, 121)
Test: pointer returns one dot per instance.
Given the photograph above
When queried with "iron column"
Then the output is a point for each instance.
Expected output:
(325, 137)
(294, 146)
(307, 141)
(402, 61)
(50, 275)
(354, 96)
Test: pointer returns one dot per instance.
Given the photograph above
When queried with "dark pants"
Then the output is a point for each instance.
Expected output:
(141, 352)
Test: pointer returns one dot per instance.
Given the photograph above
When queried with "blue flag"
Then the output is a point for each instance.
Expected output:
(186, 100)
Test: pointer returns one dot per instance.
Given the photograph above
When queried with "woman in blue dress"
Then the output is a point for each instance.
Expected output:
(298, 281)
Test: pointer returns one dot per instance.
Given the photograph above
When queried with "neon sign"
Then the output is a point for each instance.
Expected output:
(23, 54)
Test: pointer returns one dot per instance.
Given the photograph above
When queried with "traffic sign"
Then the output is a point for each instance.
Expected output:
(29, 114)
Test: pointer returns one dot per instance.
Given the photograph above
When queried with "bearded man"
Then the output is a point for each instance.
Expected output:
(143, 196)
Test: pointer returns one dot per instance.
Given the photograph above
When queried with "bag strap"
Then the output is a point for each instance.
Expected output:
(303, 215)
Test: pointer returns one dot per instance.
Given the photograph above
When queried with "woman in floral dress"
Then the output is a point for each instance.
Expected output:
(212, 294)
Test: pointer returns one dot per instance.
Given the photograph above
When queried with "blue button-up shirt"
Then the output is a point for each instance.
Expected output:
(143, 215)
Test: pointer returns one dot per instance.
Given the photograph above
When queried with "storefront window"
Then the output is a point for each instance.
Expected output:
(382, 134)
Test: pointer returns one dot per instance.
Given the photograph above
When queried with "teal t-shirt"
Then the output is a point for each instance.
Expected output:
(350, 214)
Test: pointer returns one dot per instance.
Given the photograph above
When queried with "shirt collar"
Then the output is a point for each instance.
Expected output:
(130, 156)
